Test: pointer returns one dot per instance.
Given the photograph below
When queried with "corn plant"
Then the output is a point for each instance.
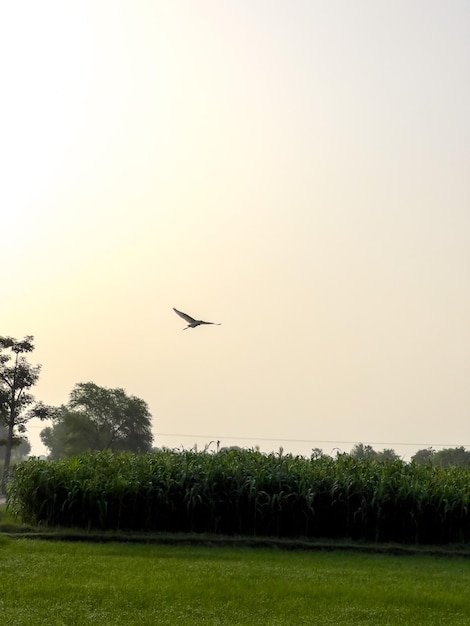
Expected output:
(247, 492)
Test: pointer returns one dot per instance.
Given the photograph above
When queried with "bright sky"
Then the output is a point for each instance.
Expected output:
(297, 170)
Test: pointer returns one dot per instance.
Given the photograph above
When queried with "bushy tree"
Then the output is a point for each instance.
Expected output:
(367, 452)
(97, 418)
(363, 452)
(424, 456)
(457, 457)
(387, 454)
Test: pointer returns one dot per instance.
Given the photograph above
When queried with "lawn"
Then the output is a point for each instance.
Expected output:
(59, 583)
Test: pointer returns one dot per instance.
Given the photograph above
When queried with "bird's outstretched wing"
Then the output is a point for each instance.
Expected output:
(188, 318)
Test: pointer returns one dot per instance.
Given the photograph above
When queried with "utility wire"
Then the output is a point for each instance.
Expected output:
(329, 441)
(323, 441)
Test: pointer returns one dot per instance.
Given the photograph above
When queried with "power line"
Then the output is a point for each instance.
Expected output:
(311, 441)
(329, 441)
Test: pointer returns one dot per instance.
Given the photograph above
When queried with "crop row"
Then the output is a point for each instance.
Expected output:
(249, 493)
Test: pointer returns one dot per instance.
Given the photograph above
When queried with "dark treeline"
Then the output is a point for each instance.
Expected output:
(447, 457)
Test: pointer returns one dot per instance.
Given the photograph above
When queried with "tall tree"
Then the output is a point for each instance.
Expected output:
(17, 376)
(97, 418)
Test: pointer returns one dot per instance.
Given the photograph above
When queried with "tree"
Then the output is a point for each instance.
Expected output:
(367, 452)
(458, 457)
(363, 452)
(424, 456)
(17, 376)
(387, 454)
(97, 418)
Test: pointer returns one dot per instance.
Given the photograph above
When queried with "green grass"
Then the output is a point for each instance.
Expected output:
(111, 584)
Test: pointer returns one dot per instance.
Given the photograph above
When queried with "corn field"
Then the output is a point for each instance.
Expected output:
(247, 492)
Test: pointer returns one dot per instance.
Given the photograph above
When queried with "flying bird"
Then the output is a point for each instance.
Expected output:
(192, 323)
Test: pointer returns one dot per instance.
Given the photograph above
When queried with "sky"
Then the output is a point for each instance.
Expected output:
(298, 171)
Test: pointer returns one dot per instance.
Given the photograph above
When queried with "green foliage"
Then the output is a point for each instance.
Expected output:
(247, 493)
(458, 457)
(98, 418)
(367, 452)
(448, 457)
(17, 376)
(424, 457)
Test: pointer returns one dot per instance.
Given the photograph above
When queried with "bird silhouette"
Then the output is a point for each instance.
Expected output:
(192, 323)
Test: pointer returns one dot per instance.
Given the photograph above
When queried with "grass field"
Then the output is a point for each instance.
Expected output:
(58, 583)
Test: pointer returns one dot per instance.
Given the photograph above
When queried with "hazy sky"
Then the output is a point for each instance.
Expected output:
(297, 170)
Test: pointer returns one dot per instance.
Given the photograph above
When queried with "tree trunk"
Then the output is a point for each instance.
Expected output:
(6, 463)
